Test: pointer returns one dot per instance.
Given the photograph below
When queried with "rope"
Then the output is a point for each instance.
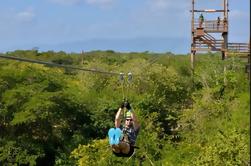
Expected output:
(131, 156)
(121, 79)
(149, 159)
(57, 65)
(145, 155)
(129, 81)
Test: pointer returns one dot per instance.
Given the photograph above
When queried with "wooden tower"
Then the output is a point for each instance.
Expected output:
(204, 32)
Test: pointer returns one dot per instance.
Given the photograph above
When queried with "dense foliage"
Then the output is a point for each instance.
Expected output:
(56, 116)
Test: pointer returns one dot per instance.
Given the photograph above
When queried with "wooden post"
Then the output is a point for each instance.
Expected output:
(192, 56)
(192, 59)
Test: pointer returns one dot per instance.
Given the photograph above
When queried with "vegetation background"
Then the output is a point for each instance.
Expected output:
(54, 116)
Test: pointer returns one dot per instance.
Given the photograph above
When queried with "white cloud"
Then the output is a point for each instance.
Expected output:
(168, 4)
(27, 15)
(102, 2)
(66, 2)
(98, 3)
(166, 18)
(238, 14)
(11, 17)
(160, 4)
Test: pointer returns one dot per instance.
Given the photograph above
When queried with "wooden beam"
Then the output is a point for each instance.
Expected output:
(208, 10)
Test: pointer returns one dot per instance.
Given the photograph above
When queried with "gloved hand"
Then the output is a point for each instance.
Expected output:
(122, 105)
(128, 107)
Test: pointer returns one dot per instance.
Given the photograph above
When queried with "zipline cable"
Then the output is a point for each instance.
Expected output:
(57, 65)
(151, 61)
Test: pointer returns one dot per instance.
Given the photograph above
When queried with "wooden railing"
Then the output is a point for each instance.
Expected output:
(211, 25)
(239, 47)
(208, 39)
(217, 45)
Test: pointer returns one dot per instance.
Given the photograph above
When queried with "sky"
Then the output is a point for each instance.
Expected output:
(119, 25)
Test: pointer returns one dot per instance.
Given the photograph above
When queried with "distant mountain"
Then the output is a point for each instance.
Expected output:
(175, 45)
(158, 45)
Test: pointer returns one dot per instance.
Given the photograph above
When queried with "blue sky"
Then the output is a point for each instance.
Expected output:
(120, 25)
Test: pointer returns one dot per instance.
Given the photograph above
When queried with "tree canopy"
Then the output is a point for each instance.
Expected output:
(57, 116)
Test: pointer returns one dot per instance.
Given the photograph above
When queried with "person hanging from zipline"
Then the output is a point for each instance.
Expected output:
(122, 138)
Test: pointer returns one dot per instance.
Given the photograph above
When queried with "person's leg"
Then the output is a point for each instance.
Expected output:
(116, 148)
(117, 145)
(117, 134)
(111, 135)
(125, 147)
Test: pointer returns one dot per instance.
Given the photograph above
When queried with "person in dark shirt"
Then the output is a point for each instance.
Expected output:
(122, 138)
(201, 20)
(218, 23)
